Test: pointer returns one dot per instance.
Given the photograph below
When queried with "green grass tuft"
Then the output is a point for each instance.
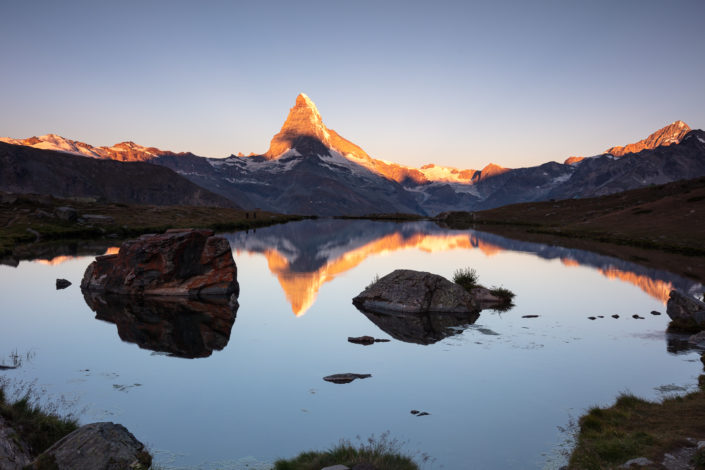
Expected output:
(466, 278)
(381, 453)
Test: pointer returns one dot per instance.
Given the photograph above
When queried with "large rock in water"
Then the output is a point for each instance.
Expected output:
(407, 291)
(685, 308)
(181, 262)
(96, 446)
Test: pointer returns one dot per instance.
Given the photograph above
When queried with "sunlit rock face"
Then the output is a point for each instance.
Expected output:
(173, 325)
(669, 135)
(189, 263)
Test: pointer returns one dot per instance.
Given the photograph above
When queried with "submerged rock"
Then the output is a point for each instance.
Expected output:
(364, 340)
(345, 378)
(96, 446)
(184, 262)
(407, 291)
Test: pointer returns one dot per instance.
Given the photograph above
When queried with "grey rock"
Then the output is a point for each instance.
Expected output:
(98, 446)
(408, 291)
(364, 466)
(62, 284)
(637, 463)
(66, 213)
(345, 378)
(684, 307)
(13, 455)
(336, 467)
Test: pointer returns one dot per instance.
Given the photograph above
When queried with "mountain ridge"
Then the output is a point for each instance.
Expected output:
(311, 169)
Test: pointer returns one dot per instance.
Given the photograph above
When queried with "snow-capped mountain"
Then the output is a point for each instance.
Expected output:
(311, 169)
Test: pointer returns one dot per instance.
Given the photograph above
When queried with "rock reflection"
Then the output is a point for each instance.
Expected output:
(177, 326)
(422, 328)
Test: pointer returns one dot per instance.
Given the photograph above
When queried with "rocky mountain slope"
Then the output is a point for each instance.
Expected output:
(311, 169)
(32, 170)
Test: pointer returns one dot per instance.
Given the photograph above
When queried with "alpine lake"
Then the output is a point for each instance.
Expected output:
(204, 391)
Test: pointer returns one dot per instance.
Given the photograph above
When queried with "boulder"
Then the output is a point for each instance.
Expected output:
(407, 291)
(96, 446)
(685, 308)
(13, 454)
(183, 262)
(62, 284)
(66, 213)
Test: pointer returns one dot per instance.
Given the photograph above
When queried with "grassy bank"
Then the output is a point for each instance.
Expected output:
(661, 226)
(38, 428)
(28, 222)
(380, 453)
(632, 428)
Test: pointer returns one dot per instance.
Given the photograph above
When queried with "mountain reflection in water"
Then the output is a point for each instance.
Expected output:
(305, 255)
(180, 327)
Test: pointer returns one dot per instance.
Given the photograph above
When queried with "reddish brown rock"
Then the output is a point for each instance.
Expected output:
(184, 262)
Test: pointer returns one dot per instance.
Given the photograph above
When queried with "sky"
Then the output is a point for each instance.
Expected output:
(456, 83)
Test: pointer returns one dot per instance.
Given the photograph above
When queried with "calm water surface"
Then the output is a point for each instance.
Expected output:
(497, 390)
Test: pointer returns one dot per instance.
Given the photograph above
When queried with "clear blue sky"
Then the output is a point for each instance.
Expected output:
(451, 82)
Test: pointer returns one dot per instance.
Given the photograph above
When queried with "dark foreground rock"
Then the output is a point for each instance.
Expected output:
(407, 291)
(685, 309)
(14, 455)
(184, 262)
(96, 446)
(62, 284)
(345, 378)
(177, 326)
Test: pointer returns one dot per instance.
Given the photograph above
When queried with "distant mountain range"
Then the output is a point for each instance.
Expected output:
(311, 169)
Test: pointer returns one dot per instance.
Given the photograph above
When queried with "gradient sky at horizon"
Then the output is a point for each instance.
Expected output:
(450, 82)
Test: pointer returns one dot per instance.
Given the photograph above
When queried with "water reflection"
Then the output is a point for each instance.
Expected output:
(177, 326)
(421, 328)
(305, 255)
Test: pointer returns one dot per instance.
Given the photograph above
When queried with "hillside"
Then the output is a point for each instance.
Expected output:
(30, 170)
(660, 225)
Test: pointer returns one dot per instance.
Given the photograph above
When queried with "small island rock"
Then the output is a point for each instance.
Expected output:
(62, 284)
(180, 262)
(408, 291)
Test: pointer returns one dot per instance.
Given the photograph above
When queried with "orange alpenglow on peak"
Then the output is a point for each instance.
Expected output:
(303, 120)
(573, 160)
(671, 134)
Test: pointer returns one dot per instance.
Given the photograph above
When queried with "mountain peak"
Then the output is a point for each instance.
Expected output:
(303, 120)
(671, 134)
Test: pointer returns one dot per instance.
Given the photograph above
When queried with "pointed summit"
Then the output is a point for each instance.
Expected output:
(671, 134)
(303, 120)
